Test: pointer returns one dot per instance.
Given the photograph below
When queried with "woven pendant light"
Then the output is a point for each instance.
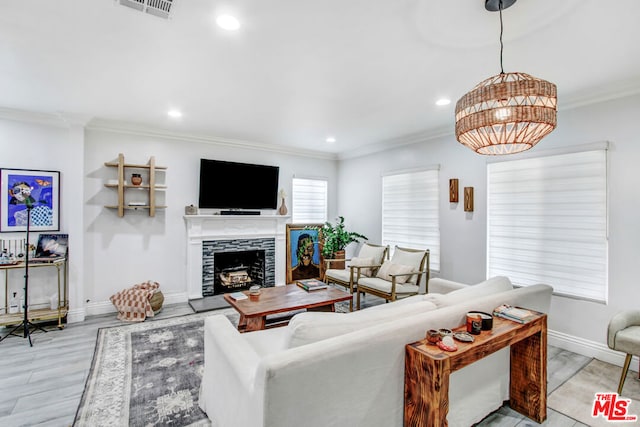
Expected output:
(507, 113)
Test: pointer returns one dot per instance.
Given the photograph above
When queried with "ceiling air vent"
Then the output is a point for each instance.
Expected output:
(161, 8)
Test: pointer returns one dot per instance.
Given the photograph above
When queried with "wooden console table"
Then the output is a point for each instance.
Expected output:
(427, 371)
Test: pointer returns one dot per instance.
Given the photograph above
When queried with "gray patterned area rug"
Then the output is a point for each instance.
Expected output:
(147, 374)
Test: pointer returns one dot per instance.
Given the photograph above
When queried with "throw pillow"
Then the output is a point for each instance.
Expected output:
(389, 268)
(359, 262)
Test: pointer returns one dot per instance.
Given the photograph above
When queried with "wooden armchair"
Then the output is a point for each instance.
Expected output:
(369, 259)
(398, 278)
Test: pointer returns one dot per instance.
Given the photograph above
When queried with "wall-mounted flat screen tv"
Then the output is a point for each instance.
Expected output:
(231, 185)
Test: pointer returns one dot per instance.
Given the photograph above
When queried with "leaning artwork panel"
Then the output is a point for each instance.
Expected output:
(35, 191)
(303, 252)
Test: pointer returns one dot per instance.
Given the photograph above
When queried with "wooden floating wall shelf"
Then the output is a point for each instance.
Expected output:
(123, 187)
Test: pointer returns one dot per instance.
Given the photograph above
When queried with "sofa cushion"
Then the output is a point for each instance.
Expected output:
(490, 286)
(309, 327)
(389, 268)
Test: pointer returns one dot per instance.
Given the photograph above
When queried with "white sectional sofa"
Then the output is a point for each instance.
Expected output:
(347, 369)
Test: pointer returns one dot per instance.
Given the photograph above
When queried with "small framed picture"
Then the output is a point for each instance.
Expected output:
(303, 252)
(29, 195)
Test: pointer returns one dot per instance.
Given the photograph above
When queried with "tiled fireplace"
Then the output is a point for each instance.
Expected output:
(221, 246)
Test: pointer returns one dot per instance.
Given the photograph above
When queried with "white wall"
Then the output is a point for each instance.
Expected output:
(49, 144)
(463, 235)
(124, 251)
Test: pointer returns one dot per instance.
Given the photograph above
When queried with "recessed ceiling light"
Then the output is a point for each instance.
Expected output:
(174, 113)
(443, 101)
(228, 22)
(330, 140)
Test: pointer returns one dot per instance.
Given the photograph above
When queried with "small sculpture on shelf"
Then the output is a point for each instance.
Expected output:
(136, 179)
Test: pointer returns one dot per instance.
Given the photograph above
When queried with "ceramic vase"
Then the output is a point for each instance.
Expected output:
(283, 208)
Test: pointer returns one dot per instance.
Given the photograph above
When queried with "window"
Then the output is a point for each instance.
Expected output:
(410, 212)
(309, 201)
(547, 222)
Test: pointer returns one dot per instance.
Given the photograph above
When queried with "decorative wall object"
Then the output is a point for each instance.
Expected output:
(453, 190)
(303, 252)
(22, 188)
(468, 199)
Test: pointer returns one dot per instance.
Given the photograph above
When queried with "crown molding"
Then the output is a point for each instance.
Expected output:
(390, 144)
(595, 95)
(140, 130)
(47, 119)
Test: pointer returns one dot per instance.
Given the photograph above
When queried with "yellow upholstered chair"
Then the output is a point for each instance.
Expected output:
(366, 263)
(623, 334)
(397, 278)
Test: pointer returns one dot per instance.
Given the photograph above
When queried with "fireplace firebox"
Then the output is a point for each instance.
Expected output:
(238, 264)
(236, 271)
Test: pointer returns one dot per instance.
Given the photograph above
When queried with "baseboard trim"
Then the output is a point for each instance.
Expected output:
(76, 315)
(106, 307)
(589, 348)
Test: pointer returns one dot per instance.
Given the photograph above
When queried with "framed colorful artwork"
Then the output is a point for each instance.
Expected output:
(23, 191)
(303, 253)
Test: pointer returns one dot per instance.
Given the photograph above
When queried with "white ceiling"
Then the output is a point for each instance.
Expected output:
(365, 71)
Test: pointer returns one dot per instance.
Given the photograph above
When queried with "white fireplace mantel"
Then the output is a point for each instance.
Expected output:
(202, 228)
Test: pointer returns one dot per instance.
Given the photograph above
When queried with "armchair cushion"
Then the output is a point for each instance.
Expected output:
(361, 262)
(343, 275)
(375, 252)
(408, 258)
(385, 285)
(490, 286)
(619, 322)
(628, 340)
(389, 268)
(309, 327)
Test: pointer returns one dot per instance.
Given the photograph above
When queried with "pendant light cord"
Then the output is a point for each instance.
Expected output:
(501, 44)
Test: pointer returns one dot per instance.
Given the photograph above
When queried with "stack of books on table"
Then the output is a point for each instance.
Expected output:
(239, 296)
(311, 284)
(517, 314)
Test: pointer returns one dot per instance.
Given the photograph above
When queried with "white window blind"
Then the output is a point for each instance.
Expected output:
(547, 222)
(309, 201)
(410, 212)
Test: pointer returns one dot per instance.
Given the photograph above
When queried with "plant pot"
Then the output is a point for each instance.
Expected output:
(339, 265)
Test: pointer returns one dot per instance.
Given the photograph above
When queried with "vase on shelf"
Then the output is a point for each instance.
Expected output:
(136, 179)
(283, 208)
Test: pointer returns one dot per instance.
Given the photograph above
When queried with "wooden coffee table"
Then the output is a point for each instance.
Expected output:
(283, 299)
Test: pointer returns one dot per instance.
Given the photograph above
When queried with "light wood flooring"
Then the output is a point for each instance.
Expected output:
(42, 385)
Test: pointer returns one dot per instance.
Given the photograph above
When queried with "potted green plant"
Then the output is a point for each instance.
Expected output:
(334, 238)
